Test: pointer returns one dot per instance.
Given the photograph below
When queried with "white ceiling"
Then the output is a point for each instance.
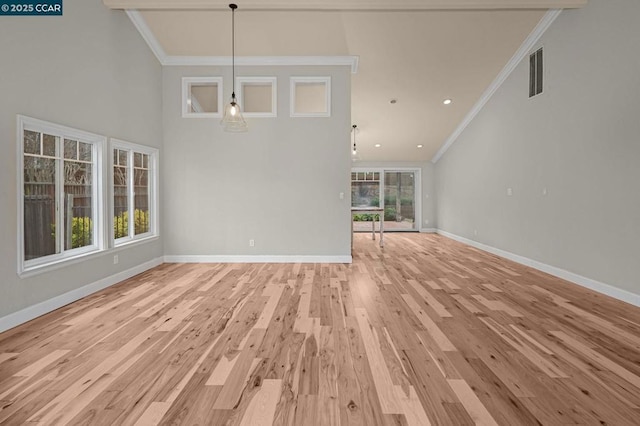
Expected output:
(417, 55)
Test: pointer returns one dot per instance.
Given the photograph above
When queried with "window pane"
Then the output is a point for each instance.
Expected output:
(141, 197)
(137, 159)
(120, 201)
(70, 149)
(365, 194)
(49, 145)
(31, 142)
(257, 97)
(399, 200)
(85, 151)
(203, 97)
(39, 207)
(311, 98)
(77, 205)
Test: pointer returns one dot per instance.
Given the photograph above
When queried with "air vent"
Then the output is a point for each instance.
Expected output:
(535, 73)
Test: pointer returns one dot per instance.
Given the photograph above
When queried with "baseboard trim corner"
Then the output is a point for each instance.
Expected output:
(34, 311)
(429, 230)
(606, 289)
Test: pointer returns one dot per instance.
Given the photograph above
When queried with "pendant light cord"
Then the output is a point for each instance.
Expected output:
(354, 137)
(233, 49)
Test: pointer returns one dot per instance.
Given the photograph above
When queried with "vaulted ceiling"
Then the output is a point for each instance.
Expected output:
(418, 52)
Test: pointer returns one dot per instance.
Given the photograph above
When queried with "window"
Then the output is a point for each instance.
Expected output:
(134, 191)
(394, 190)
(365, 189)
(536, 72)
(60, 193)
(202, 97)
(310, 96)
(257, 96)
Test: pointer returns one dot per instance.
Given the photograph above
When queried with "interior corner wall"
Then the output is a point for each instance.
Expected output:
(427, 186)
(578, 143)
(278, 184)
(88, 69)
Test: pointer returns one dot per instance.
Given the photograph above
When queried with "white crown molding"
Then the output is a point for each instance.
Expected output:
(388, 5)
(606, 289)
(168, 60)
(146, 33)
(350, 61)
(256, 259)
(27, 314)
(520, 54)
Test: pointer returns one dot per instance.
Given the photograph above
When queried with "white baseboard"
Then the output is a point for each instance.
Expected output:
(428, 230)
(607, 289)
(27, 314)
(255, 259)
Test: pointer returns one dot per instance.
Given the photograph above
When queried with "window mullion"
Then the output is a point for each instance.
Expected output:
(59, 190)
(131, 194)
(381, 188)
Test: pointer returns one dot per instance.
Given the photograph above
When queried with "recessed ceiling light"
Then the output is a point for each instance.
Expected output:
(447, 101)
(393, 101)
(377, 145)
(419, 146)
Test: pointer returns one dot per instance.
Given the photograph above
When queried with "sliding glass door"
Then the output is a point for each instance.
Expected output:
(394, 190)
(399, 201)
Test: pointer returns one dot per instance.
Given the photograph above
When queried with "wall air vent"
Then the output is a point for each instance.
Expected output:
(535, 73)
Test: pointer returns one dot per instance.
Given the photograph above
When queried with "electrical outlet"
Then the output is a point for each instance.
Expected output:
(342, 195)
(509, 192)
(115, 259)
(252, 243)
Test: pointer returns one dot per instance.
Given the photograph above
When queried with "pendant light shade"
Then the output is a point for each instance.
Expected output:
(232, 121)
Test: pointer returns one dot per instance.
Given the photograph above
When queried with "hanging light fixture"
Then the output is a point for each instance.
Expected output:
(233, 120)
(354, 151)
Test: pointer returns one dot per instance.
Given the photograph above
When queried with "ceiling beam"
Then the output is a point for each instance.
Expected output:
(386, 5)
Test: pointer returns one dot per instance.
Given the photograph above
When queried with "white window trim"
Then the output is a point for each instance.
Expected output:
(154, 161)
(292, 95)
(99, 144)
(240, 81)
(186, 97)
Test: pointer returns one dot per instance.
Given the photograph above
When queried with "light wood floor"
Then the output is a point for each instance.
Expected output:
(425, 331)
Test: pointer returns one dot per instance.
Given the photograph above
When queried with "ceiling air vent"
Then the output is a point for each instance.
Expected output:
(535, 73)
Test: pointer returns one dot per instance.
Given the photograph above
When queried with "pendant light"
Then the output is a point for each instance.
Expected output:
(354, 151)
(233, 120)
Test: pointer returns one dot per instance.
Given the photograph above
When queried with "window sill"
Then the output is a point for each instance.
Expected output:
(118, 246)
(94, 254)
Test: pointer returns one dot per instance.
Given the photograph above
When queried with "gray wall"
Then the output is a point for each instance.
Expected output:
(277, 184)
(580, 140)
(90, 70)
(428, 182)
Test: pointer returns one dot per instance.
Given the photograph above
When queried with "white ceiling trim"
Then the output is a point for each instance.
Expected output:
(146, 33)
(350, 61)
(386, 5)
(520, 54)
(168, 60)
